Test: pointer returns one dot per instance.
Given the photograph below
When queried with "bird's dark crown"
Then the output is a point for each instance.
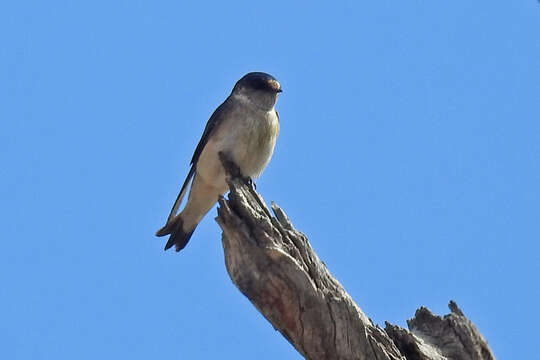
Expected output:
(259, 81)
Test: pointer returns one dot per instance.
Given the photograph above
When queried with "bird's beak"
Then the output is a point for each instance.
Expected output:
(279, 90)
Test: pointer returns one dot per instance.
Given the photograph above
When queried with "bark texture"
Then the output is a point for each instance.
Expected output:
(274, 266)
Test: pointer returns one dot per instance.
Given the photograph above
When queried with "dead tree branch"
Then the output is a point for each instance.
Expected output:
(274, 266)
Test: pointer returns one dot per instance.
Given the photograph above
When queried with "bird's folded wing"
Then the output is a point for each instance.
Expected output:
(211, 125)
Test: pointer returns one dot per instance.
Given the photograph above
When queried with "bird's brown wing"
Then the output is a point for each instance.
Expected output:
(211, 126)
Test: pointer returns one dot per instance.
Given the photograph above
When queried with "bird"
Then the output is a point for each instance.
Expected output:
(244, 128)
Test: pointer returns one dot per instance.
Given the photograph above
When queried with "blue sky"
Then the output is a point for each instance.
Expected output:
(409, 154)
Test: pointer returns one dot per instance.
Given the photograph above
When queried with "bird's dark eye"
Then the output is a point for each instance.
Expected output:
(259, 81)
(259, 84)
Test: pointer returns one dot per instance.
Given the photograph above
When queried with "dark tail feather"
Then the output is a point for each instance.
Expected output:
(169, 227)
(178, 237)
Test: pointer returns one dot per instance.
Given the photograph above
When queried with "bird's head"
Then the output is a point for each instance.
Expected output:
(259, 88)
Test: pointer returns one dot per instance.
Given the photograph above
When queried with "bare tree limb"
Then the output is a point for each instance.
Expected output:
(274, 266)
(451, 337)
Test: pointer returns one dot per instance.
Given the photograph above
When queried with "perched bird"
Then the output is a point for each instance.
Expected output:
(244, 128)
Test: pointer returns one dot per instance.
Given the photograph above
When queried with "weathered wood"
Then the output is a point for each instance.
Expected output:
(433, 337)
(274, 266)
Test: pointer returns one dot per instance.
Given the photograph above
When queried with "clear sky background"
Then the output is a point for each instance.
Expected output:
(409, 154)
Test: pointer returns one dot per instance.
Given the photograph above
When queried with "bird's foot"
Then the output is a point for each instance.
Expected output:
(234, 171)
(249, 182)
(230, 166)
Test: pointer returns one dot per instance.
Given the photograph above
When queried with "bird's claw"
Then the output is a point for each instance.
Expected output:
(234, 171)
(249, 181)
(229, 165)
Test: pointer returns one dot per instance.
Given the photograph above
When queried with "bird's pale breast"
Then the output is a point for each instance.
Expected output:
(249, 138)
(261, 141)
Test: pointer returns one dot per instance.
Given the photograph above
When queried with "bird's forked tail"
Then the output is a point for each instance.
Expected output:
(179, 237)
